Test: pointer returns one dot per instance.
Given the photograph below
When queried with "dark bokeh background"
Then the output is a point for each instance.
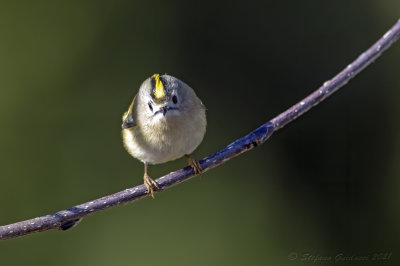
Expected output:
(325, 185)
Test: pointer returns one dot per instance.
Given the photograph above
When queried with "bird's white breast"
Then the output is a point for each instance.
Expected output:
(166, 138)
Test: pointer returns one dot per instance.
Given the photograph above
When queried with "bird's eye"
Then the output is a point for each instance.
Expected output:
(174, 99)
(151, 107)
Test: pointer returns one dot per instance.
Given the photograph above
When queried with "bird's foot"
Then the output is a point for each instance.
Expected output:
(151, 185)
(194, 164)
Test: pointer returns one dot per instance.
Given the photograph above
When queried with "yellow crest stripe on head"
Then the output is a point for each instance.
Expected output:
(158, 88)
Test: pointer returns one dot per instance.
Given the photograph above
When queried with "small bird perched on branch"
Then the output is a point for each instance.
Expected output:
(165, 121)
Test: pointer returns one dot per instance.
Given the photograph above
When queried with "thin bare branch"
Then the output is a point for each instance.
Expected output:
(67, 218)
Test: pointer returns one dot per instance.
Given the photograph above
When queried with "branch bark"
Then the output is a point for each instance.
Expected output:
(65, 219)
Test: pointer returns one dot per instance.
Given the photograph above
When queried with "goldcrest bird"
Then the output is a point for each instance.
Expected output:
(165, 121)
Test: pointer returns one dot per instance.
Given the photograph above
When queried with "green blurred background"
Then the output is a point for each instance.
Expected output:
(325, 185)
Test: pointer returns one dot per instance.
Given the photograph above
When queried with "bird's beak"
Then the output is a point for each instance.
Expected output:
(164, 110)
(126, 124)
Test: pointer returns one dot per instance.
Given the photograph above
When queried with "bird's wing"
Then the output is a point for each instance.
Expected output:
(128, 119)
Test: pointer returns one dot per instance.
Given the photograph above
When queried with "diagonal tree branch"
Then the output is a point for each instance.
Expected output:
(67, 218)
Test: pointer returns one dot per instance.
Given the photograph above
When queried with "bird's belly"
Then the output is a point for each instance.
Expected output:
(166, 146)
